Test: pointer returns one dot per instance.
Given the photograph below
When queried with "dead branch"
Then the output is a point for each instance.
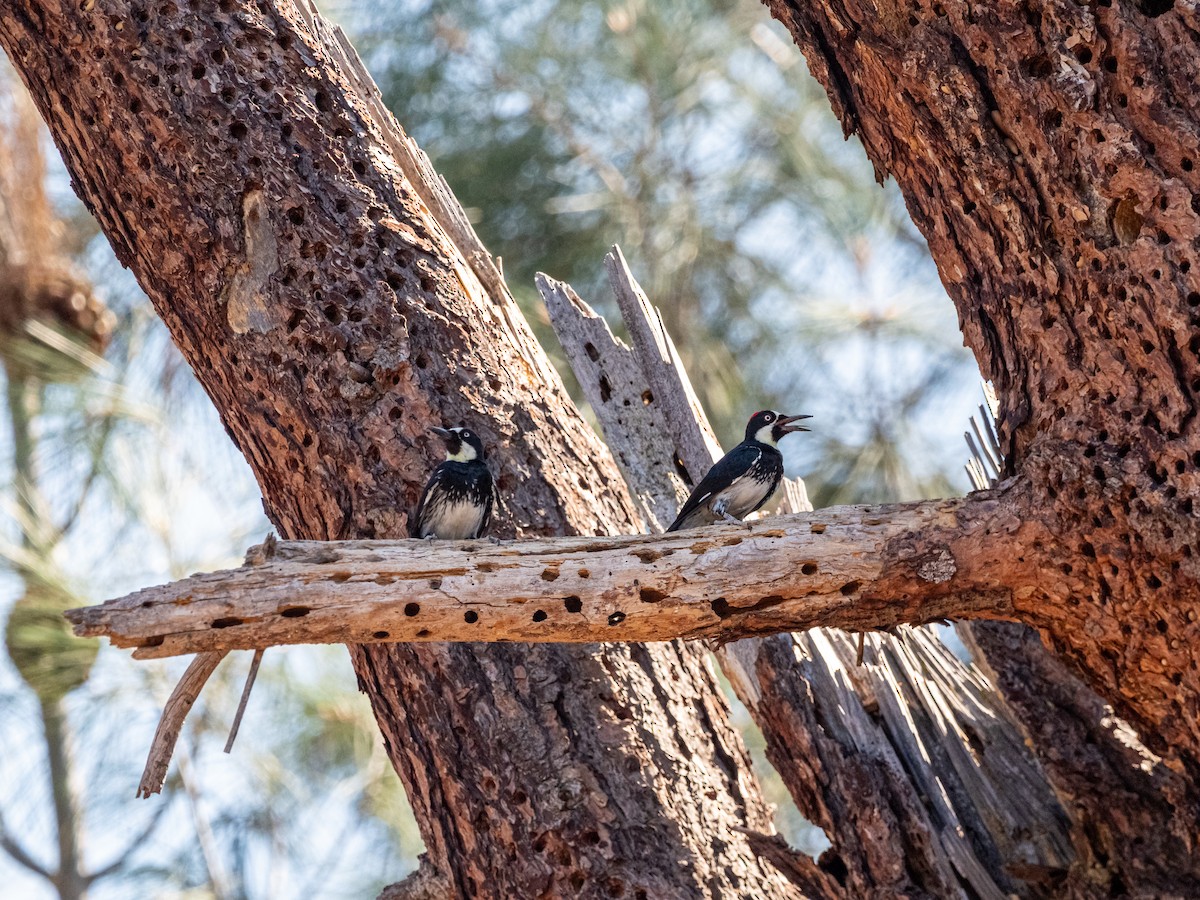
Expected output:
(171, 723)
(241, 710)
(842, 567)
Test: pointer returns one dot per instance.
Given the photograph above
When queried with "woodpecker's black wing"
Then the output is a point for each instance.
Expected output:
(488, 492)
(415, 523)
(737, 463)
(456, 503)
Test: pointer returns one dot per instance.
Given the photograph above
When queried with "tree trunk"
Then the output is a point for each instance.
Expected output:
(320, 283)
(1048, 154)
(1133, 818)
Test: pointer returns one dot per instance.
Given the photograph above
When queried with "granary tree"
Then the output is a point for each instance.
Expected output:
(334, 304)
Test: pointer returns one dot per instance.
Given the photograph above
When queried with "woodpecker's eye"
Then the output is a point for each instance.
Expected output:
(769, 417)
(466, 434)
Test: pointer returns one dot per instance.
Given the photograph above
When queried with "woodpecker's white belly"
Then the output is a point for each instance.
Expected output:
(741, 497)
(456, 521)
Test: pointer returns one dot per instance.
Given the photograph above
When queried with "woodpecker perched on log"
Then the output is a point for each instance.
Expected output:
(746, 476)
(456, 504)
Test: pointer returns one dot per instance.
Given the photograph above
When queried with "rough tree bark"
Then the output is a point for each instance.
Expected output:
(1133, 818)
(1048, 154)
(316, 278)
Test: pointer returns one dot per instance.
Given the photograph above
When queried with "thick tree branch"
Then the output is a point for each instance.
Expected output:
(840, 567)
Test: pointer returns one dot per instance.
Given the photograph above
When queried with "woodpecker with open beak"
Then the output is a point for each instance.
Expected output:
(746, 476)
(457, 502)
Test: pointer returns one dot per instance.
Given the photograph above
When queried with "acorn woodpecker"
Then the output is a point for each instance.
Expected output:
(746, 476)
(456, 504)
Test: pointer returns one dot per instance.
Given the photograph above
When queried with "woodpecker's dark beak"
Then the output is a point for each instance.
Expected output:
(444, 434)
(786, 426)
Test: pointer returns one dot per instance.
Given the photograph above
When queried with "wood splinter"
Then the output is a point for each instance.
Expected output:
(241, 710)
(171, 723)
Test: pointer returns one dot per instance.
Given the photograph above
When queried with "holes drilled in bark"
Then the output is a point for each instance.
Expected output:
(616, 618)
(295, 612)
(539, 615)
(470, 617)
(226, 622)
(809, 568)
(651, 595)
(411, 609)
(573, 604)
(237, 130)
(1155, 8)
(381, 635)
(1038, 66)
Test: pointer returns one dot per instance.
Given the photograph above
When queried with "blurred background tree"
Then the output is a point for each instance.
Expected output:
(686, 131)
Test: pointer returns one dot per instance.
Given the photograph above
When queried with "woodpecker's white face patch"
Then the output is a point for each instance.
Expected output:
(466, 453)
(764, 435)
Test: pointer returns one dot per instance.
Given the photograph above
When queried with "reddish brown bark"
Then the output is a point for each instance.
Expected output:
(234, 163)
(1133, 817)
(1049, 155)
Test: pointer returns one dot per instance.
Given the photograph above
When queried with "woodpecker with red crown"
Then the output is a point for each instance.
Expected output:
(456, 504)
(746, 476)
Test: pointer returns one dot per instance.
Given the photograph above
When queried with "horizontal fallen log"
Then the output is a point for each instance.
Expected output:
(853, 567)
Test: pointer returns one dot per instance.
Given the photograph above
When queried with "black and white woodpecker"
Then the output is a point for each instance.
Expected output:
(456, 504)
(746, 476)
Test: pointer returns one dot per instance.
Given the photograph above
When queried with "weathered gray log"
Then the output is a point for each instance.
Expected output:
(916, 733)
(660, 363)
(727, 582)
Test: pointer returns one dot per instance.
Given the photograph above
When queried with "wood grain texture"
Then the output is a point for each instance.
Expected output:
(179, 704)
(724, 582)
(1049, 155)
(631, 417)
(325, 287)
